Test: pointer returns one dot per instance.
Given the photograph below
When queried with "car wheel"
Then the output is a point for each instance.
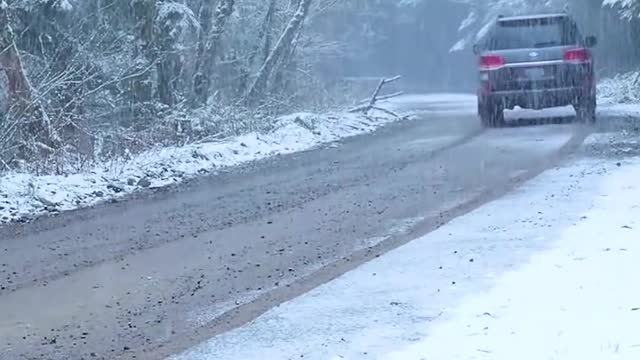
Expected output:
(586, 111)
(491, 115)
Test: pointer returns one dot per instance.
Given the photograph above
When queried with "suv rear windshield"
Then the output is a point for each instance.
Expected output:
(532, 33)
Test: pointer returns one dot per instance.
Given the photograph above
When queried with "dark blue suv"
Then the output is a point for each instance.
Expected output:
(535, 62)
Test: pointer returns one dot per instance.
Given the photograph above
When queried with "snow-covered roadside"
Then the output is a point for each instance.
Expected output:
(620, 89)
(619, 95)
(574, 301)
(23, 196)
(551, 280)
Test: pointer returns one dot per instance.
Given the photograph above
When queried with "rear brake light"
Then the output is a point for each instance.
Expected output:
(577, 55)
(491, 61)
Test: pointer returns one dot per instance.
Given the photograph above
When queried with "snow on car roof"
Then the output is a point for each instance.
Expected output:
(528, 17)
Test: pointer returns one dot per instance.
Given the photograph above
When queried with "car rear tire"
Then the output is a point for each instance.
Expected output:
(586, 110)
(491, 115)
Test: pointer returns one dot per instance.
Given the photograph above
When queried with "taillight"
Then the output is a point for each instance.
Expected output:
(577, 55)
(491, 61)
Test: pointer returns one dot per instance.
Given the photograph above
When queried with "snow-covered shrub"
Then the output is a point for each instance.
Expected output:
(628, 8)
(622, 88)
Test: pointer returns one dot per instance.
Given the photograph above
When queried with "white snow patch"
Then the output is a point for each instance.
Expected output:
(549, 268)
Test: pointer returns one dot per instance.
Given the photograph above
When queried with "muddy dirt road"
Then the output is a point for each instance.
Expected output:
(150, 276)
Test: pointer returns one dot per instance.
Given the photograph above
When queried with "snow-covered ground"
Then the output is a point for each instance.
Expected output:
(547, 272)
(620, 95)
(575, 301)
(23, 196)
(620, 89)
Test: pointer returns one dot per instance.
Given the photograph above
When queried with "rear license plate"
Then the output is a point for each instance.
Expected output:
(534, 73)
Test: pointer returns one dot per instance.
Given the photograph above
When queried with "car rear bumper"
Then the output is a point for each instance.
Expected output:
(535, 99)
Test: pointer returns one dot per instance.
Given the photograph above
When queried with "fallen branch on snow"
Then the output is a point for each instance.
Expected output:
(370, 104)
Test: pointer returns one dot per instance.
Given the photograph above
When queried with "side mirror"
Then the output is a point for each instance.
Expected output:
(591, 41)
(476, 49)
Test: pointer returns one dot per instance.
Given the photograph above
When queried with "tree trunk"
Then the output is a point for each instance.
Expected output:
(202, 79)
(266, 30)
(281, 48)
(167, 68)
(169, 62)
(33, 125)
(206, 20)
(144, 12)
(18, 86)
(264, 38)
(286, 64)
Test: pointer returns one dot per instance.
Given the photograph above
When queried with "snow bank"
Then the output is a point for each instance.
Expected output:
(23, 196)
(576, 301)
(620, 89)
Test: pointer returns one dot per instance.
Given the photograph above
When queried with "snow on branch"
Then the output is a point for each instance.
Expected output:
(60, 5)
(629, 9)
(181, 13)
